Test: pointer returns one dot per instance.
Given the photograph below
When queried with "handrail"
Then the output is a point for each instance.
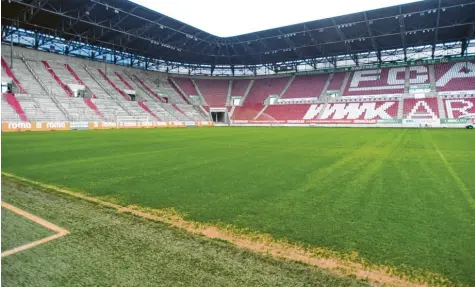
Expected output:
(50, 93)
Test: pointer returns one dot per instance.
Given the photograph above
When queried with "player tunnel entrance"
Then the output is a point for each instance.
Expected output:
(219, 116)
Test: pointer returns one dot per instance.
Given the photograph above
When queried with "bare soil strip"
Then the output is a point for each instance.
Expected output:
(60, 231)
(264, 244)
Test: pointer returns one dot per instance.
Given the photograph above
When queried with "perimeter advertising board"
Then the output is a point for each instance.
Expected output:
(64, 126)
(35, 126)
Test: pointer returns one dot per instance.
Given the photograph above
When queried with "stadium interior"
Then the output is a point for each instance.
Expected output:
(421, 69)
(138, 150)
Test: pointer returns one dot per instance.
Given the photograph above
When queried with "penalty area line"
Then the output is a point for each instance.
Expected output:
(60, 232)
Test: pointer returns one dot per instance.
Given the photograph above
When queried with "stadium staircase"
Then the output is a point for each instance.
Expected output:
(141, 84)
(191, 86)
(10, 74)
(327, 84)
(147, 109)
(231, 112)
(93, 107)
(407, 75)
(229, 95)
(261, 112)
(45, 89)
(180, 111)
(400, 108)
(440, 105)
(180, 92)
(124, 95)
(8, 112)
(345, 83)
(12, 101)
(123, 80)
(433, 87)
(291, 80)
(202, 98)
(251, 83)
(78, 79)
(325, 105)
(102, 103)
(76, 108)
(57, 79)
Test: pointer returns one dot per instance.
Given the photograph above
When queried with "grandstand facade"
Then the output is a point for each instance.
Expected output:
(412, 64)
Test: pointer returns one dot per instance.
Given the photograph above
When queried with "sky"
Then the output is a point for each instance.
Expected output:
(227, 18)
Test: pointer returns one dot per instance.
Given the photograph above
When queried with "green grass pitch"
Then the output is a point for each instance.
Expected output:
(399, 197)
(109, 249)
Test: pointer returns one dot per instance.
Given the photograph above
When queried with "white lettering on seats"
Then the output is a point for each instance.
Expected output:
(364, 76)
(55, 125)
(19, 125)
(425, 112)
(458, 71)
(380, 79)
(313, 112)
(392, 76)
(353, 111)
(464, 108)
(422, 74)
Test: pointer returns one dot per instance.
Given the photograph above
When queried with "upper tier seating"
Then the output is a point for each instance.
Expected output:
(260, 91)
(337, 81)
(239, 87)
(455, 76)
(421, 109)
(159, 85)
(418, 75)
(215, 92)
(95, 88)
(186, 86)
(47, 79)
(263, 88)
(26, 78)
(386, 81)
(63, 73)
(307, 86)
(104, 83)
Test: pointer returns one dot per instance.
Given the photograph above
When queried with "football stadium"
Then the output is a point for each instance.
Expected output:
(139, 150)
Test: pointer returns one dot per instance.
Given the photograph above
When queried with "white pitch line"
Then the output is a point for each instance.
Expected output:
(60, 231)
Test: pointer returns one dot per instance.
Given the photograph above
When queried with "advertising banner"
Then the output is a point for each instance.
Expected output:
(37, 126)
(190, 124)
(176, 124)
(455, 121)
(59, 126)
(79, 125)
(421, 121)
(389, 121)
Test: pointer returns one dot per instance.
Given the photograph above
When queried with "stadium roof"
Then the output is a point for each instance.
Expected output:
(217, 21)
(126, 26)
